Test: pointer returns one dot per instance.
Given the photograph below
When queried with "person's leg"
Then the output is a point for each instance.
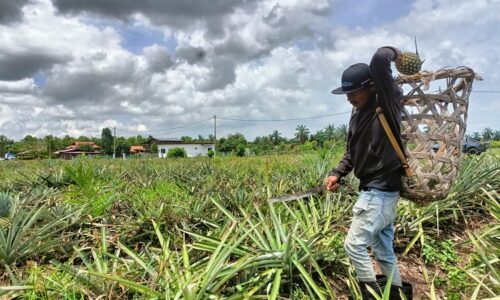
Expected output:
(382, 246)
(384, 253)
(366, 222)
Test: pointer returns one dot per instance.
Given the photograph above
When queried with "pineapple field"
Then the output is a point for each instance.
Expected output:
(201, 228)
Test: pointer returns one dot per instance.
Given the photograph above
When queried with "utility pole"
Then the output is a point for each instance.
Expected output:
(50, 148)
(114, 142)
(215, 134)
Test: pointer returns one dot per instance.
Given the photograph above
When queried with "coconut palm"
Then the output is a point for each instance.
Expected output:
(275, 137)
(302, 133)
(487, 134)
(496, 135)
(329, 131)
(341, 132)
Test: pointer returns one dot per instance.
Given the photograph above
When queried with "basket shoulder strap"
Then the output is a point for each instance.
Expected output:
(394, 142)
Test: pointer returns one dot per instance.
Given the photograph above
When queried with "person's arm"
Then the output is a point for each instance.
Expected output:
(381, 72)
(389, 95)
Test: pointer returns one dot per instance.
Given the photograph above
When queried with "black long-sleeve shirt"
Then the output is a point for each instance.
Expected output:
(369, 151)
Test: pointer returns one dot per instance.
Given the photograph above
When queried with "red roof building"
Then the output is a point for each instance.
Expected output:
(138, 150)
(79, 148)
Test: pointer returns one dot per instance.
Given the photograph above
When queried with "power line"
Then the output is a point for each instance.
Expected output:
(173, 129)
(282, 120)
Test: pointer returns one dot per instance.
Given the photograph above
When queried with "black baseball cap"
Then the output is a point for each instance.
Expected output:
(354, 78)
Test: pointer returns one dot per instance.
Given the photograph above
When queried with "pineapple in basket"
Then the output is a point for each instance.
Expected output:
(409, 63)
(5, 205)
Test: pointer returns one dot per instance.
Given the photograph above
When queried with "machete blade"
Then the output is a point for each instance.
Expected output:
(299, 195)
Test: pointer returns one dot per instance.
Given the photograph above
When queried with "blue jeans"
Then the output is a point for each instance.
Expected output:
(373, 215)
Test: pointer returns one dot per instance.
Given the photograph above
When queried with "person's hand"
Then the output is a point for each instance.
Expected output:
(332, 183)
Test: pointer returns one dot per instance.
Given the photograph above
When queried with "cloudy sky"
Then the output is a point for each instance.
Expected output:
(146, 67)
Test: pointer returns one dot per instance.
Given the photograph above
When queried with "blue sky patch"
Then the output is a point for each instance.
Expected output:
(40, 79)
(135, 38)
(369, 13)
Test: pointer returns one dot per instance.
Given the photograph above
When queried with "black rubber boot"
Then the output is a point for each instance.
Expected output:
(407, 290)
(365, 293)
(382, 281)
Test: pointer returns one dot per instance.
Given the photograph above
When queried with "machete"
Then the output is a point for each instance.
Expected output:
(299, 195)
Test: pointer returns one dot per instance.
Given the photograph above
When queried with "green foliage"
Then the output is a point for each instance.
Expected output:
(5, 145)
(240, 150)
(444, 255)
(299, 294)
(495, 144)
(160, 201)
(307, 147)
(457, 280)
(32, 147)
(5, 205)
(176, 152)
(89, 189)
(201, 228)
(154, 149)
(487, 134)
(231, 143)
(32, 233)
(122, 146)
(107, 141)
(439, 253)
(301, 133)
(211, 153)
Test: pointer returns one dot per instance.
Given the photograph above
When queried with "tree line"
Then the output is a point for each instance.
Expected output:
(31, 147)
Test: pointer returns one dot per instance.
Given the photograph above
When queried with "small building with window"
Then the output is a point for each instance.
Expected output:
(193, 148)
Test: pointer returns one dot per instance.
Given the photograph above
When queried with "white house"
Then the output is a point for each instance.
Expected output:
(192, 148)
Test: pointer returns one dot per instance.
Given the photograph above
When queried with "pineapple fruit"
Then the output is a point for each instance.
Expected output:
(409, 63)
(5, 205)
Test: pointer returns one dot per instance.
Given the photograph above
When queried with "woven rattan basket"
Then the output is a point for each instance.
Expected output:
(433, 127)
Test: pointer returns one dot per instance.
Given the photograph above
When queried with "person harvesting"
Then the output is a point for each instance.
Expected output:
(373, 159)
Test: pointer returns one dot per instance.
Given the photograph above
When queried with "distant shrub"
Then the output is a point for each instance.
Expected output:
(240, 150)
(494, 144)
(308, 146)
(176, 152)
(211, 153)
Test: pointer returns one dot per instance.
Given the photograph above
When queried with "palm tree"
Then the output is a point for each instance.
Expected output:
(496, 135)
(341, 132)
(329, 131)
(320, 137)
(302, 133)
(487, 134)
(275, 137)
(476, 135)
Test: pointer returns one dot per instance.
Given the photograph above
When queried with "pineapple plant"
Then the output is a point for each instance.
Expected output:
(409, 63)
(5, 205)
